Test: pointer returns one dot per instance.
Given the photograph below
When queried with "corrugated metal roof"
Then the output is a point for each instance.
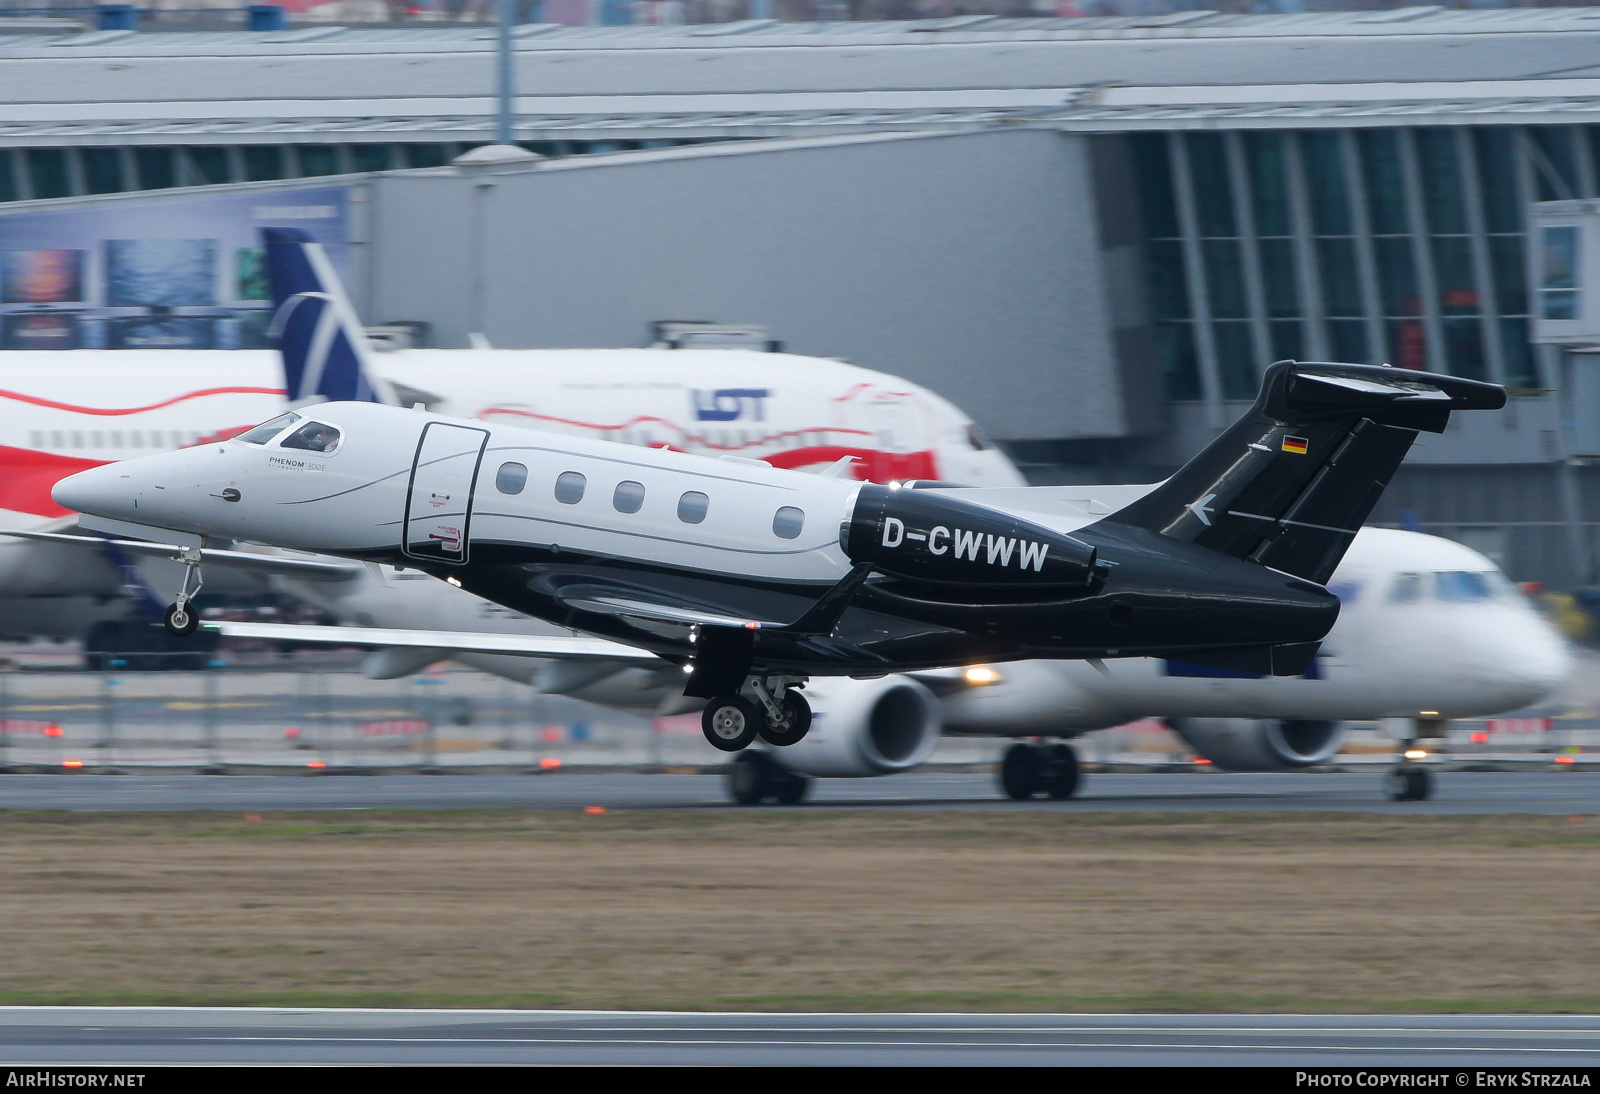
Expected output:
(761, 77)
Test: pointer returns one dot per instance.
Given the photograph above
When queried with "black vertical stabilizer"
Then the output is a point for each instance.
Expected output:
(1290, 483)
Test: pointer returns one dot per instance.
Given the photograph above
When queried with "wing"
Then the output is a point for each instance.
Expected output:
(555, 646)
(306, 569)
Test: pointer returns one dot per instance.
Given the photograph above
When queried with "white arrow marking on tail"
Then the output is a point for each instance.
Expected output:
(1202, 507)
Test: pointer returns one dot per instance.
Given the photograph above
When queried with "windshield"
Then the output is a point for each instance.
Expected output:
(264, 432)
(313, 437)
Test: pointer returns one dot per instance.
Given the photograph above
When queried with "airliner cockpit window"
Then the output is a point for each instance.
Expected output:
(1407, 589)
(1462, 586)
(264, 432)
(313, 437)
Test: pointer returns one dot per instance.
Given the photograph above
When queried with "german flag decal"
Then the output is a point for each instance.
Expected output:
(1297, 445)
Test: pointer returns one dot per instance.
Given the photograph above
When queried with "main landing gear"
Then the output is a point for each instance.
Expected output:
(777, 713)
(181, 618)
(1027, 769)
(754, 777)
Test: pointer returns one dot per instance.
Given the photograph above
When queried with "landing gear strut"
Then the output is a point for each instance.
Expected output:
(1028, 769)
(181, 618)
(777, 713)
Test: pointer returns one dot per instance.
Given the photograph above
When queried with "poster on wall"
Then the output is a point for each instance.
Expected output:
(165, 270)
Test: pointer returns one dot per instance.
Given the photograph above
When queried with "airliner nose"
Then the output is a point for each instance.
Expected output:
(99, 491)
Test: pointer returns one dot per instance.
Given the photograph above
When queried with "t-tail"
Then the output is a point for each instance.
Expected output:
(325, 352)
(1290, 483)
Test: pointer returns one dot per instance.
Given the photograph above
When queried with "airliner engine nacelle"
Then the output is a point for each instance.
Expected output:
(862, 728)
(928, 536)
(1243, 744)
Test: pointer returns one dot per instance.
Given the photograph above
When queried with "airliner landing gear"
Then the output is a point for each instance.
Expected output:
(779, 714)
(181, 619)
(1028, 769)
(1408, 781)
(754, 777)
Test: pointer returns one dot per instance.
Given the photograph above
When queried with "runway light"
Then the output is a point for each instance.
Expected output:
(1480, 738)
(981, 676)
(252, 816)
(1416, 754)
(1201, 761)
(75, 764)
(52, 730)
(292, 733)
(316, 765)
(594, 810)
(549, 763)
(1565, 760)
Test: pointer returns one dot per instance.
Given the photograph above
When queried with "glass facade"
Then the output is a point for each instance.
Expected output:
(1401, 245)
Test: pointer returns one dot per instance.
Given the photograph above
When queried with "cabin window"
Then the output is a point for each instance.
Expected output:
(787, 522)
(264, 432)
(511, 478)
(569, 487)
(629, 497)
(692, 507)
(313, 437)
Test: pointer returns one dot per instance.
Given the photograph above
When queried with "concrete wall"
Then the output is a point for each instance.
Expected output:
(970, 263)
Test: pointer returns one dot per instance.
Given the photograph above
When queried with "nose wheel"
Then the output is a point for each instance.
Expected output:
(181, 618)
(1408, 783)
(778, 714)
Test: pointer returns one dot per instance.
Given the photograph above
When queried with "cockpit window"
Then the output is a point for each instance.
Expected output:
(264, 432)
(313, 437)
(1407, 589)
(1462, 586)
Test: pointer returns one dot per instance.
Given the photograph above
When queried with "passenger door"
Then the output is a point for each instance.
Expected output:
(439, 503)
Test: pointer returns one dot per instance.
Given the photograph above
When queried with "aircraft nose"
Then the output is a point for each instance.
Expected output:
(1534, 655)
(99, 491)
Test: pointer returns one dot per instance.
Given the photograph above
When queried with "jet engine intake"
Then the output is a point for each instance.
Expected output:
(929, 536)
(862, 728)
(1246, 744)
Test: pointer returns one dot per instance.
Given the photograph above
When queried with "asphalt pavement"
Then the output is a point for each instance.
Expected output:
(1456, 792)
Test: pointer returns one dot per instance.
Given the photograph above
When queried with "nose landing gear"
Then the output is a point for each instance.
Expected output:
(181, 618)
(1409, 781)
(1028, 769)
(778, 714)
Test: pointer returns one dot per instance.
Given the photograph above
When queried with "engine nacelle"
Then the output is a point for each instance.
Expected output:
(862, 728)
(1245, 744)
(930, 536)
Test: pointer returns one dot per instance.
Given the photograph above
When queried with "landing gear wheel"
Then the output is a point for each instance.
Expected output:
(181, 619)
(730, 721)
(749, 776)
(1020, 772)
(1408, 784)
(791, 790)
(1061, 775)
(797, 714)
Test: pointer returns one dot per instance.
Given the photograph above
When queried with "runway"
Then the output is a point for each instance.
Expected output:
(167, 1035)
(1456, 792)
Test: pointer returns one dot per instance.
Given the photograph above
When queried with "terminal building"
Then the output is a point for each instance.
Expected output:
(1091, 233)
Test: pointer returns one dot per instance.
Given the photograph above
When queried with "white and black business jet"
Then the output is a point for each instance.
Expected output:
(754, 578)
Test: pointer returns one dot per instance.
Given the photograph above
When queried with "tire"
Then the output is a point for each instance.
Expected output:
(749, 778)
(791, 789)
(799, 715)
(1062, 776)
(1419, 784)
(1020, 772)
(181, 621)
(730, 721)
